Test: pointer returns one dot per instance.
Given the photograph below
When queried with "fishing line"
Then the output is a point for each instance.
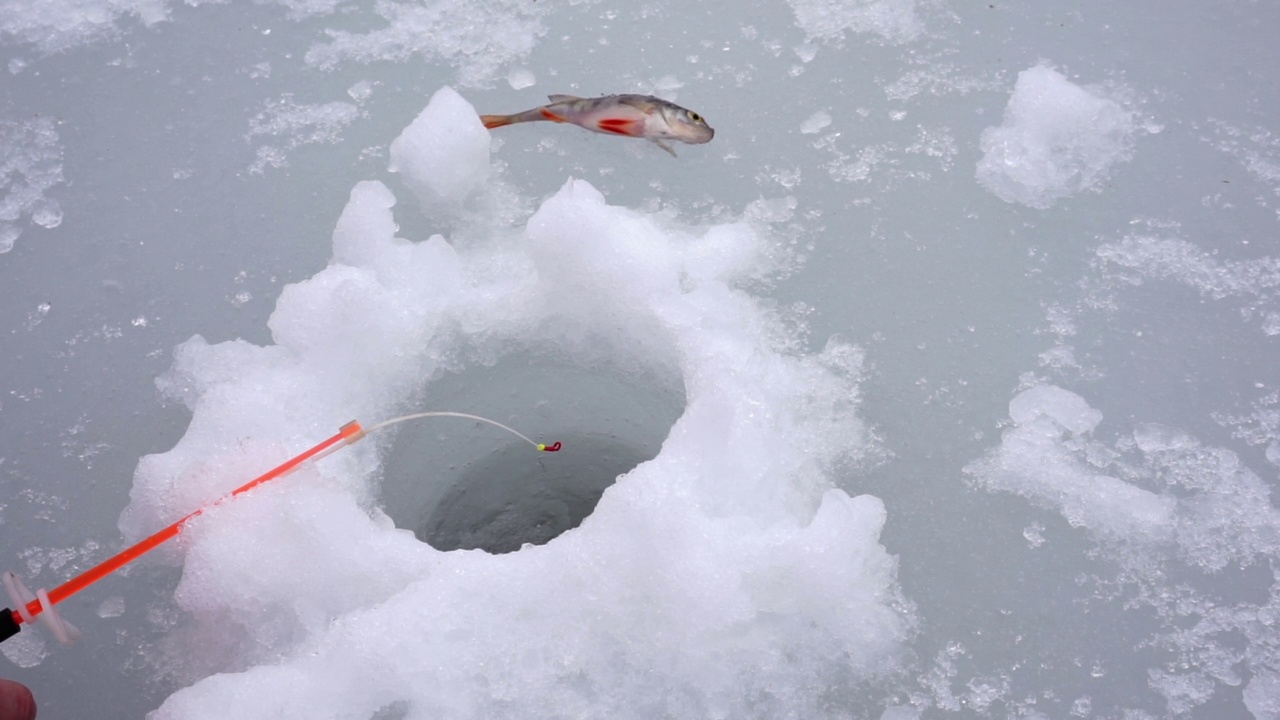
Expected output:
(42, 603)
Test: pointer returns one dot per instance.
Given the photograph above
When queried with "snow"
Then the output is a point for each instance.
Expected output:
(770, 558)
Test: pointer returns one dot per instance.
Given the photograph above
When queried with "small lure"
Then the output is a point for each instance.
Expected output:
(639, 116)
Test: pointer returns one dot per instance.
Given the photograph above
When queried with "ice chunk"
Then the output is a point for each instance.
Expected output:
(1262, 695)
(444, 154)
(1057, 139)
(1038, 459)
(1062, 406)
(520, 78)
(816, 122)
(111, 607)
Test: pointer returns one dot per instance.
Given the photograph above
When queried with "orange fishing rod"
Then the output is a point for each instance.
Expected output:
(41, 604)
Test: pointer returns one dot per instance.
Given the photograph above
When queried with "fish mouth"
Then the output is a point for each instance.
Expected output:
(696, 134)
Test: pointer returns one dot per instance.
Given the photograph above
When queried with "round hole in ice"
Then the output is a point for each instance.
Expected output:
(468, 485)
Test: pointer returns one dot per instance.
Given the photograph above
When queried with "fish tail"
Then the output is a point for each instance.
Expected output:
(534, 115)
(496, 121)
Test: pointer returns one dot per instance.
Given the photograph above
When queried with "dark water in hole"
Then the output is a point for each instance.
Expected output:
(512, 497)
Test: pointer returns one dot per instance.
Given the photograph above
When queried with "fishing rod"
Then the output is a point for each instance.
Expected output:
(42, 603)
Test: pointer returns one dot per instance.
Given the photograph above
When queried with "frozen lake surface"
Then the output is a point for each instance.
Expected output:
(942, 383)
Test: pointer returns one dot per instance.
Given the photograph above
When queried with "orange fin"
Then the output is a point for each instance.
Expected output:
(550, 115)
(619, 126)
(495, 121)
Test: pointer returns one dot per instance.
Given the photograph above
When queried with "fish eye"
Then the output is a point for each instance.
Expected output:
(695, 116)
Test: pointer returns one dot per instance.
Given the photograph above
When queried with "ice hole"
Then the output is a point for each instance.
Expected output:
(471, 486)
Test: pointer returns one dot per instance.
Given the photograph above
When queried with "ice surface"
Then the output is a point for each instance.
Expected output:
(1057, 139)
(1077, 411)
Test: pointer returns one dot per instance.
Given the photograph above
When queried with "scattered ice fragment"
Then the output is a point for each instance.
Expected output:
(520, 78)
(892, 20)
(360, 91)
(1063, 406)
(26, 649)
(30, 164)
(477, 37)
(1253, 283)
(56, 25)
(1057, 139)
(46, 213)
(1037, 460)
(111, 607)
(299, 124)
(1262, 695)
(816, 122)
(806, 52)
(9, 233)
(306, 8)
(1034, 534)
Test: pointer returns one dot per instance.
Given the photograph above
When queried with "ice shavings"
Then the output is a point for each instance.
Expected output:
(1159, 504)
(830, 20)
(1256, 282)
(726, 572)
(30, 164)
(297, 124)
(1057, 139)
(56, 25)
(1256, 149)
(477, 37)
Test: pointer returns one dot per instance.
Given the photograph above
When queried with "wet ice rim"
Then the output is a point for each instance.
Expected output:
(724, 578)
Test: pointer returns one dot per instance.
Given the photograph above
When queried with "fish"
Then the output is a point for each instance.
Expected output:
(638, 116)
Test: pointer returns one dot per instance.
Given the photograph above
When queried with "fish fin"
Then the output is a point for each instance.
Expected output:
(562, 98)
(495, 121)
(551, 116)
(631, 127)
(664, 145)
